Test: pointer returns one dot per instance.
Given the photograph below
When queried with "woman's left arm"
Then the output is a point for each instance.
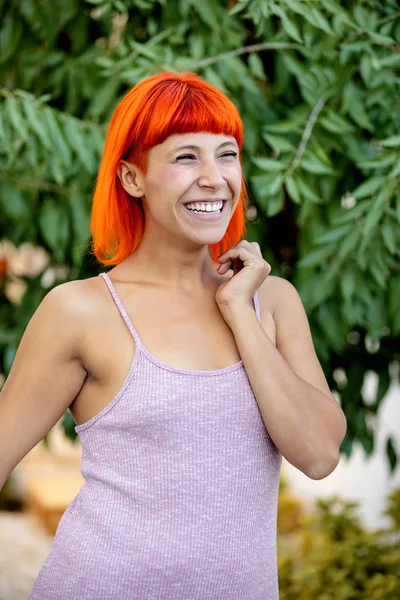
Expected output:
(301, 415)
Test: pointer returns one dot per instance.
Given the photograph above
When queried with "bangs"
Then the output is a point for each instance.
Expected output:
(180, 107)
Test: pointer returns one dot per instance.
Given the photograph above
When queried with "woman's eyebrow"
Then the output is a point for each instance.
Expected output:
(192, 147)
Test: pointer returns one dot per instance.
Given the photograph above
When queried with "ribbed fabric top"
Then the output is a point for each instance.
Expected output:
(180, 493)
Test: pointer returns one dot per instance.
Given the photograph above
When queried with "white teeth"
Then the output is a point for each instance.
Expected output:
(201, 207)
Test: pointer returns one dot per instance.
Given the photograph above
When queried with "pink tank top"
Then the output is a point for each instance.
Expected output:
(180, 494)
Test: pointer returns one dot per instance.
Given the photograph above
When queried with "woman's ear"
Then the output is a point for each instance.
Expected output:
(131, 178)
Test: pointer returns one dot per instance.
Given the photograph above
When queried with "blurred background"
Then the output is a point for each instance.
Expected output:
(317, 84)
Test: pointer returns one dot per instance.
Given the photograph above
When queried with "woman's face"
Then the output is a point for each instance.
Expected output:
(200, 169)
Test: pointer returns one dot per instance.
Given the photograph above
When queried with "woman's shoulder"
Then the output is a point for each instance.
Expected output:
(280, 297)
(83, 305)
(80, 299)
(270, 293)
(76, 289)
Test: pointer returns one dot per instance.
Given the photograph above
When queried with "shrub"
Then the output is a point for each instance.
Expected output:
(332, 557)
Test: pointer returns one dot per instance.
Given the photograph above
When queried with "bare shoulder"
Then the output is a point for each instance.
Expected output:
(76, 306)
(74, 295)
(76, 299)
(275, 292)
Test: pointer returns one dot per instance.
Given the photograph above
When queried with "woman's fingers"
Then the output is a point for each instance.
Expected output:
(225, 266)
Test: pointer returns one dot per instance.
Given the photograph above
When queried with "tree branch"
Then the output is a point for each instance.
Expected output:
(244, 50)
(306, 134)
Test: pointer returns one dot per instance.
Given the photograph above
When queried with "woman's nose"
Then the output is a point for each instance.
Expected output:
(210, 175)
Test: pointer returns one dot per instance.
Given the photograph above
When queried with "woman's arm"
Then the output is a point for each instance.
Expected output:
(302, 417)
(46, 376)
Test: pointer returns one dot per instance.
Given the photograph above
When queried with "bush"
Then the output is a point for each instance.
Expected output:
(332, 557)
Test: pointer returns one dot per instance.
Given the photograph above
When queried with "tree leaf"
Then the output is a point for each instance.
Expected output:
(312, 15)
(269, 164)
(60, 146)
(35, 121)
(391, 142)
(390, 232)
(13, 202)
(74, 135)
(288, 25)
(335, 123)
(353, 105)
(338, 11)
(278, 143)
(14, 112)
(347, 284)
(267, 185)
(312, 164)
(378, 207)
(257, 67)
(54, 227)
(105, 96)
(307, 191)
(207, 11)
(80, 218)
(333, 235)
(284, 126)
(274, 204)
(369, 187)
(386, 159)
(315, 257)
(349, 244)
(10, 36)
(292, 189)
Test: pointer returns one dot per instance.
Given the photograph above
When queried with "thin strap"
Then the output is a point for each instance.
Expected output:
(121, 308)
(127, 320)
(257, 306)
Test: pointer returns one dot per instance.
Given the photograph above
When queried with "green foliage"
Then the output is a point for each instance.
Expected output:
(317, 86)
(332, 557)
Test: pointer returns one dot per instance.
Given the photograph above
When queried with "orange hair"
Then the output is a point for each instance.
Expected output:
(154, 109)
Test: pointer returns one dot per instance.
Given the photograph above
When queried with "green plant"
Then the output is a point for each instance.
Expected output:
(332, 557)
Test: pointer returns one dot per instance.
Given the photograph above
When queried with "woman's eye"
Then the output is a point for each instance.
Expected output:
(186, 156)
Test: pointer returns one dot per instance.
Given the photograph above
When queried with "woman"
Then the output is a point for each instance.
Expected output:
(187, 382)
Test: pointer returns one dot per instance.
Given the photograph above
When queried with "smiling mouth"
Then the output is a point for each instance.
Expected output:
(200, 206)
